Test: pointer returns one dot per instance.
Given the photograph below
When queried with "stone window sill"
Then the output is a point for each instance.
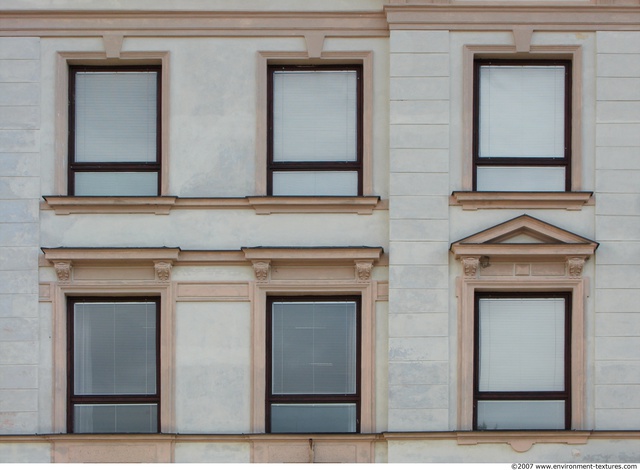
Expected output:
(474, 200)
(162, 205)
(522, 441)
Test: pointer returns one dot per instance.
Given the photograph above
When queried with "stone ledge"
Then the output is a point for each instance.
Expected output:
(474, 200)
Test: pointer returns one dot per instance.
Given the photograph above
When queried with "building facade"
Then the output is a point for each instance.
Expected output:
(320, 231)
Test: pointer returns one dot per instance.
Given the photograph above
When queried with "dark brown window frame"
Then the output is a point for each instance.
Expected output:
(72, 398)
(315, 166)
(564, 162)
(538, 395)
(113, 167)
(272, 398)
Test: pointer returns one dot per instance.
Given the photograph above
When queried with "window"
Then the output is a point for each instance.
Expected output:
(315, 130)
(114, 131)
(313, 364)
(522, 125)
(522, 361)
(113, 371)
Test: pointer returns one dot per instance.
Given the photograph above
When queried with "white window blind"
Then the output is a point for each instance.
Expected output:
(315, 115)
(314, 348)
(115, 348)
(116, 116)
(522, 111)
(521, 344)
(315, 183)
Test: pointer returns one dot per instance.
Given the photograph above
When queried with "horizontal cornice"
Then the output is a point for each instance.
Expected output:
(190, 23)
(493, 16)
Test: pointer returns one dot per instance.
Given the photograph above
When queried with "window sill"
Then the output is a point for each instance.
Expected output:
(474, 200)
(522, 441)
(162, 205)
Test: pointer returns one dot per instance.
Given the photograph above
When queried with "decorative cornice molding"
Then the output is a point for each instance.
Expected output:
(363, 270)
(162, 205)
(262, 268)
(192, 23)
(163, 270)
(575, 265)
(63, 271)
(474, 200)
(496, 16)
(470, 266)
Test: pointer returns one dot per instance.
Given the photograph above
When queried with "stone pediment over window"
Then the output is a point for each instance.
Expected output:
(518, 246)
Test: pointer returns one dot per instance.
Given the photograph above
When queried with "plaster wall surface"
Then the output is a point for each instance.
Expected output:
(19, 194)
(419, 343)
(617, 225)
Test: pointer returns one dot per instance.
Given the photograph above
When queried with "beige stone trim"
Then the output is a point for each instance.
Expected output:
(501, 16)
(552, 261)
(522, 441)
(571, 201)
(121, 256)
(314, 271)
(151, 23)
(212, 292)
(111, 56)
(262, 205)
(313, 449)
(112, 288)
(305, 57)
(494, 200)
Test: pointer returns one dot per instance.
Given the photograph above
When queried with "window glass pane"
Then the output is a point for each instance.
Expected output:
(315, 115)
(110, 418)
(529, 414)
(114, 348)
(314, 348)
(521, 344)
(521, 111)
(116, 116)
(116, 184)
(521, 178)
(314, 418)
(315, 183)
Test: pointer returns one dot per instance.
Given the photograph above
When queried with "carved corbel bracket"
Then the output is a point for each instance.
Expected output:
(470, 266)
(262, 269)
(163, 270)
(363, 270)
(575, 266)
(63, 271)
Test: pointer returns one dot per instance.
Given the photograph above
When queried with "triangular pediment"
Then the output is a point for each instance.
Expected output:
(524, 235)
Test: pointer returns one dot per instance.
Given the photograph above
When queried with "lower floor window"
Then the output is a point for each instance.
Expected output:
(313, 364)
(113, 378)
(522, 361)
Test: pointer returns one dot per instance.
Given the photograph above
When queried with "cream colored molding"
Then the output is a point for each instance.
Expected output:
(263, 58)
(163, 270)
(575, 265)
(513, 200)
(212, 292)
(63, 271)
(315, 43)
(473, 200)
(135, 23)
(113, 45)
(522, 38)
(261, 269)
(521, 255)
(522, 441)
(107, 287)
(470, 265)
(314, 271)
(363, 270)
(121, 255)
(63, 60)
(494, 16)
(262, 205)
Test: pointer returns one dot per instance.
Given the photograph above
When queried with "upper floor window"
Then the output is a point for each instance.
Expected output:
(315, 130)
(522, 125)
(522, 361)
(114, 131)
(313, 365)
(114, 363)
